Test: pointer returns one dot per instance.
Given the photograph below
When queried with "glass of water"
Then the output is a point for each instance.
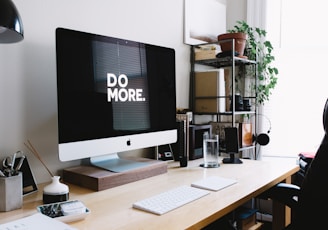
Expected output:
(210, 150)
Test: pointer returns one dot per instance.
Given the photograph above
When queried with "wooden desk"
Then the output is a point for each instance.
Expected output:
(112, 208)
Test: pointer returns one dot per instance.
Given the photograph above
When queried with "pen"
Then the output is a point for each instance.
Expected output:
(13, 159)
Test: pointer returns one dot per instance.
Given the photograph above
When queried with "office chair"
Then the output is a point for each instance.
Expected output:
(308, 201)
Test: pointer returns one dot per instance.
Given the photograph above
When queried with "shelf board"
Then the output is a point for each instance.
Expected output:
(246, 148)
(228, 113)
(225, 61)
(237, 112)
(223, 150)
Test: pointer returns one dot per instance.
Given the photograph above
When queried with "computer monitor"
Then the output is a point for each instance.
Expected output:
(113, 95)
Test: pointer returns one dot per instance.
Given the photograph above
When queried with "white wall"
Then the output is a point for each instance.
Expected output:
(236, 11)
(28, 69)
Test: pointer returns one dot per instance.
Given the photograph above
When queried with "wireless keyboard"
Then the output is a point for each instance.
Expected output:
(169, 200)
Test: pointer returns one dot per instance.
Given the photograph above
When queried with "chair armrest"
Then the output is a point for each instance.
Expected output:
(284, 193)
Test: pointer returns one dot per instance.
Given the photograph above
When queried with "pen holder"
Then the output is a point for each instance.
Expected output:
(11, 190)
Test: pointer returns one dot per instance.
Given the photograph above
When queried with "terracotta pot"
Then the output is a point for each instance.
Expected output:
(240, 42)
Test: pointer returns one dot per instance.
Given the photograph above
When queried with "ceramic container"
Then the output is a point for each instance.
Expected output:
(55, 191)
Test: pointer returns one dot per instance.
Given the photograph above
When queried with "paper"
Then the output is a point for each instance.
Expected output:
(214, 183)
(37, 221)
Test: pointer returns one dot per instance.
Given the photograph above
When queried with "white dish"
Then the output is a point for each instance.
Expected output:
(53, 210)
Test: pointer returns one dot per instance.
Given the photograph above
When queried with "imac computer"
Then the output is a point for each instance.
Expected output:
(113, 95)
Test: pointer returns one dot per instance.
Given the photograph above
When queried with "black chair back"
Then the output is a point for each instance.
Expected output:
(312, 200)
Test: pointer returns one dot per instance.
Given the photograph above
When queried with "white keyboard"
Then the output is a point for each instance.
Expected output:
(171, 199)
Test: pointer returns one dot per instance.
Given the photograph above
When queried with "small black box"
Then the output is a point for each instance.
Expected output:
(196, 140)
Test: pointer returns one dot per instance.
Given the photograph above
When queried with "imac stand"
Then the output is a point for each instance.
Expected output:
(114, 163)
(118, 171)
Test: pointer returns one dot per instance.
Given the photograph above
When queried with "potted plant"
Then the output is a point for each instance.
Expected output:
(240, 42)
(260, 49)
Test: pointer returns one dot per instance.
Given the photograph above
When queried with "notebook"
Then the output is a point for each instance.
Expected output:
(36, 221)
(214, 183)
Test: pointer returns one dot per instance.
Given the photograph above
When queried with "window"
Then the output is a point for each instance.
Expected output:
(296, 105)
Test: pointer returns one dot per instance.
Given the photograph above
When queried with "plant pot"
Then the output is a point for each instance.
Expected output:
(240, 42)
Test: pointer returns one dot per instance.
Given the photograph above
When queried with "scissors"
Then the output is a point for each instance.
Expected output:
(6, 163)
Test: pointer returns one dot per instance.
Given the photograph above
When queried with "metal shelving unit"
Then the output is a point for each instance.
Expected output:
(232, 62)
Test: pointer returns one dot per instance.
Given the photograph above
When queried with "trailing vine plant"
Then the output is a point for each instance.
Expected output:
(259, 49)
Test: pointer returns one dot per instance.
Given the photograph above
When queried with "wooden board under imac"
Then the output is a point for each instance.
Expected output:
(100, 179)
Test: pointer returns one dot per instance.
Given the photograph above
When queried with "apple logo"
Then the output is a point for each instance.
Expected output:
(128, 142)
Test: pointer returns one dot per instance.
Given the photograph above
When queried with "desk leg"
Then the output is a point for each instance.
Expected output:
(281, 213)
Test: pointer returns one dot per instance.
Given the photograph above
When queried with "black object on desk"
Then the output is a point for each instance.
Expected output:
(29, 184)
(232, 145)
(196, 140)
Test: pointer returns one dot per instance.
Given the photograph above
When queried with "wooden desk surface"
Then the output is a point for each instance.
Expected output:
(112, 208)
